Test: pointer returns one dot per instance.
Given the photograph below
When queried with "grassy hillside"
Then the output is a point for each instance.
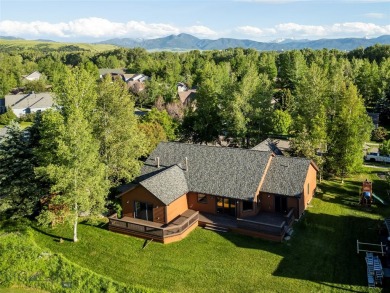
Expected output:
(20, 45)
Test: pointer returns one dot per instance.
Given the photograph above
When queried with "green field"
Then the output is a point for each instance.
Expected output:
(320, 257)
(21, 45)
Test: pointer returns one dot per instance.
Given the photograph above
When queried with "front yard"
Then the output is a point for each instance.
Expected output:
(320, 257)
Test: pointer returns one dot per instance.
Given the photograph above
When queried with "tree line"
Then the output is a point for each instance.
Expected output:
(72, 156)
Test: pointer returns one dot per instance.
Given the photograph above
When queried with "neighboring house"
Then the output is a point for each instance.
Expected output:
(181, 87)
(140, 77)
(36, 75)
(182, 186)
(187, 97)
(375, 119)
(277, 146)
(22, 104)
(128, 76)
(114, 72)
(136, 86)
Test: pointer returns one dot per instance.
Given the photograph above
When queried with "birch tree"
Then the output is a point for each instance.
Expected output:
(74, 170)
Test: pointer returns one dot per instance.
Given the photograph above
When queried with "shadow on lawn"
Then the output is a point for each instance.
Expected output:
(322, 249)
(55, 237)
(348, 195)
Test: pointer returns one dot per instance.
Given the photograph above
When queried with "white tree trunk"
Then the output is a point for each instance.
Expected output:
(76, 218)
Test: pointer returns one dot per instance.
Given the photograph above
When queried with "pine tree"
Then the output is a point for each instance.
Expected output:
(19, 192)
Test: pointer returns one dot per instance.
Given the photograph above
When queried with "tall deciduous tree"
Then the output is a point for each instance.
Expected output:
(74, 170)
(115, 127)
(350, 128)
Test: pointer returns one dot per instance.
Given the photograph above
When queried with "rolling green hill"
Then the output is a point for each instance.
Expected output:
(7, 45)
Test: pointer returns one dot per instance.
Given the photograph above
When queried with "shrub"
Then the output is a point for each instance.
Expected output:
(379, 134)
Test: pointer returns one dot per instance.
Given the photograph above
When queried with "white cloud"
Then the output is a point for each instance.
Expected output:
(375, 15)
(200, 30)
(250, 30)
(294, 30)
(100, 28)
(92, 27)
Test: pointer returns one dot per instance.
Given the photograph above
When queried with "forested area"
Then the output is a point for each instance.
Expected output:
(93, 142)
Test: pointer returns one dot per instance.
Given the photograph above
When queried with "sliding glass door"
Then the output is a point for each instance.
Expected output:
(226, 206)
(143, 210)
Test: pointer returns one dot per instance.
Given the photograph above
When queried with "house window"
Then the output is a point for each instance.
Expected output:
(202, 198)
(143, 210)
(247, 205)
(308, 188)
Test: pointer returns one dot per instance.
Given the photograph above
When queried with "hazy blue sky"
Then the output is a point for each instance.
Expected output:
(261, 20)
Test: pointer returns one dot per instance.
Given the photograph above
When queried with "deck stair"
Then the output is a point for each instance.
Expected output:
(216, 228)
(288, 230)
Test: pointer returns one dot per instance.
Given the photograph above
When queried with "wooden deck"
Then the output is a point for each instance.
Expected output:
(269, 226)
(165, 233)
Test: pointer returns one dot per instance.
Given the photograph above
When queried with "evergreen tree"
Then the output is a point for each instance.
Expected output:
(19, 189)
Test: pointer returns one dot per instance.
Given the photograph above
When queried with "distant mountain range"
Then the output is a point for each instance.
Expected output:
(184, 42)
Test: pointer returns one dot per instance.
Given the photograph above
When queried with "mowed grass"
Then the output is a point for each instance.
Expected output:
(321, 256)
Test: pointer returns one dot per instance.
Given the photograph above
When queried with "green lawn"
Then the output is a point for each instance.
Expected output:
(321, 256)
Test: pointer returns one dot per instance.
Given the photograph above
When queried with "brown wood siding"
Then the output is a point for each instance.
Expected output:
(176, 208)
(311, 181)
(140, 193)
(267, 202)
(193, 204)
(159, 214)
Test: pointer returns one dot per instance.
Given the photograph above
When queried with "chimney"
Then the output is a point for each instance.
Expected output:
(186, 159)
(157, 159)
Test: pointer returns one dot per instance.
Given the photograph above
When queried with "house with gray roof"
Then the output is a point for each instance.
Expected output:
(239, 185)
(22, 104)
(36, 75)
(277, 146)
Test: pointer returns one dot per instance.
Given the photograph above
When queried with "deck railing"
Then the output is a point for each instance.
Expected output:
(290, 217)
(266, 227)
(261, 227)
(151, 230)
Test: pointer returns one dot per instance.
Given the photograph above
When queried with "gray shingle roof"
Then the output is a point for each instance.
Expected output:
(32, 100)
(167, 185)
(268, 145)
(286, 176)
(230, 172)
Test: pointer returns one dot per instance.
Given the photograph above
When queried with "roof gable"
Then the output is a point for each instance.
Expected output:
(168, 185)
(286, 176)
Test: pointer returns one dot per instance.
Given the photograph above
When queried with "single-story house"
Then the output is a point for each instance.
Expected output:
(277, 146)
(187, 97)
(22, 104)
(114, 72)
(36, 75)
(183, 185)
